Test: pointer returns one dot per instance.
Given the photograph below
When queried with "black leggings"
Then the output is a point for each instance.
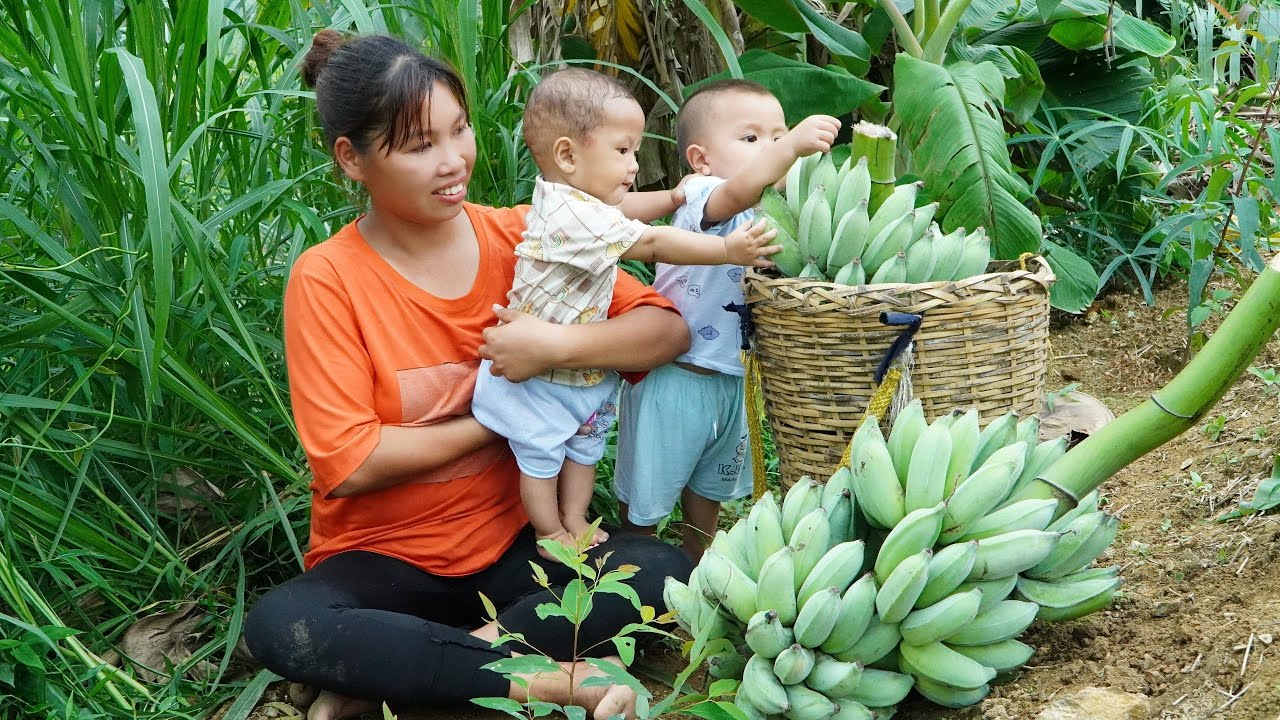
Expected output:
(369, 626)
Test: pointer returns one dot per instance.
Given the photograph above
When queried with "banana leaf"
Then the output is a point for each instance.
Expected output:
(802, 89)
(1023, 86)
(949, 118)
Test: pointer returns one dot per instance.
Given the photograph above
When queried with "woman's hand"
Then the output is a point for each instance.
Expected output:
(521, 346)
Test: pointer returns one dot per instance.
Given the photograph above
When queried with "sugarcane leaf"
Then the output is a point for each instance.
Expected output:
(1076, 282)
(949, 118)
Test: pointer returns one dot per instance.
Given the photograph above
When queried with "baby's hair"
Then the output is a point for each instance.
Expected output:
(374, 86)
(697, 107)
(567, 103)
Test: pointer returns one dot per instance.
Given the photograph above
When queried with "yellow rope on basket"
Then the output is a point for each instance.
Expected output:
(1023, 258)
(755, 426)
(878, 405)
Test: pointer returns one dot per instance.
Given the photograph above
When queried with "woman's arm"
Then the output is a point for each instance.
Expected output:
(404, 452)
(639, 339)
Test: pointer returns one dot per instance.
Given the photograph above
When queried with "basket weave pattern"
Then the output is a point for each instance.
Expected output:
(984, 343)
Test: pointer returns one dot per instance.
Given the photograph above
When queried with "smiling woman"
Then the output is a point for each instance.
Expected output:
(415, 505)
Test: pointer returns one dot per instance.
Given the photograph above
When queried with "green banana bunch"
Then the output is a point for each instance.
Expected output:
(816, 613)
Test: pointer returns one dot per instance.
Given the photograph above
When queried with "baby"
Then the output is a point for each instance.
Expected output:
(583, 129)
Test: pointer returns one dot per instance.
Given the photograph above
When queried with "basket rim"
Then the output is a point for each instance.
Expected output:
(1043, 276)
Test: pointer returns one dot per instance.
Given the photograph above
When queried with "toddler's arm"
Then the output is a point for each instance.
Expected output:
(744, 246)
(649, 206)
(814, 134)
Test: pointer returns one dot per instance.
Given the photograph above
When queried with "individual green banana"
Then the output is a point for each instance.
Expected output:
(924, 220)
(815, 230)
(993, 591)
(947, 696)
(1041, 457)
(679, 598)
(840, 516)
(927, 471)
(1011, 553)
(800, 500)
(812, 272)
(881, 688)
(1091, 573)
(1097, 541)
(855, 189)
(1014, 453)
(763, 687)
(1004, 621)
(941, 619)
(1074, 536)
(728, 585)
(1000, 656)
(908, 426)
(767, 636)
(887, 244)
(1087, 504)
(892, 272)
(795, 186)
(825, 180)
(727, 663)
(920, 256)
(853, 710)
(917, 531)
(875, 483)
(1023, 515)
(850, 237)
(899, 204)
(835, 486)
(836, 569)
(975, 256)
(776, 589)
(812, 540)
(1064, 593)
(733, 545)
(975, 497)
(1080, 609)
(790, 259)
(834, 678)
(964, 446)
(764, 531)
(851, 274)
(899, 592)
(808, 704)
(817, 618)
(949, 250)
(939, 663)
(948, 568)
(857, 605)
(742, 700)
(1029, 432)
(998, 433)
(879, 640)
(774, 207)
(793, 664)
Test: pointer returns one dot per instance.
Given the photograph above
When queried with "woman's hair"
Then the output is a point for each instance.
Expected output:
(373, 86)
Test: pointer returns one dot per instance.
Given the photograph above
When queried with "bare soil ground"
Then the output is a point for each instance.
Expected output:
(1197, 626)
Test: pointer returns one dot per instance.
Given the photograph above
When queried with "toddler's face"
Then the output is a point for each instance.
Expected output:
(607, 166)
(738, 128)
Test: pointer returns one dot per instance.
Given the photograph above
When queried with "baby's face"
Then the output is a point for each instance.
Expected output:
(738, 128)
(607, 167)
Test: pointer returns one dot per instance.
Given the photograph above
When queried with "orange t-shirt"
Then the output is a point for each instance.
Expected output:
(366, 347)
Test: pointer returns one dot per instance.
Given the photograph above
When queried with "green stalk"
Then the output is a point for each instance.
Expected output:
(879, 145)
(1174, 408)
(935, 48)
(905, 37)
(931, 19)
(920, 18)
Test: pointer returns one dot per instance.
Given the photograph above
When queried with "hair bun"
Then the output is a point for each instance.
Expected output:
(323, 45)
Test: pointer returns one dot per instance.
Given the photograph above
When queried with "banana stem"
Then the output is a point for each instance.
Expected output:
(879, 145)
(903, 29)
(932, 17)
(935, 49)
(1174, 408)
(920, 18)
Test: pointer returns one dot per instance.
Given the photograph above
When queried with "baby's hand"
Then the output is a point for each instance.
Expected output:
(677, 192)
(813, 134)
(748, 245)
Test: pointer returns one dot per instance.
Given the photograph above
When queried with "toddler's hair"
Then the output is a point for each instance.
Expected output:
(697, 108)
(567, 103)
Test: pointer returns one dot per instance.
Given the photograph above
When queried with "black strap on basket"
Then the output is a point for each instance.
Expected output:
(746, 326)
(911, 324)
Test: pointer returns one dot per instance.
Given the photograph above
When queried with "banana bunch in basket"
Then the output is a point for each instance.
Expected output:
(909, 568)
(831, 227)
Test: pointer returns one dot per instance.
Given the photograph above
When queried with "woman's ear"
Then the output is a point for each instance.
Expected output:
(696, 156)
(564, 154)
(345, 154)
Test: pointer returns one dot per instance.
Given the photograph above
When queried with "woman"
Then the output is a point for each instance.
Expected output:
(416, 507)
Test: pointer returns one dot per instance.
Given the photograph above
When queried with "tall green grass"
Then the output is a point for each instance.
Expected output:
(160, 170)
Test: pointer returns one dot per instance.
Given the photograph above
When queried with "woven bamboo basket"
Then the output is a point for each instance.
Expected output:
(983, 342)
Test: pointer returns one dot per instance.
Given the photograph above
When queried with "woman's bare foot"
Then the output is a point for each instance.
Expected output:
(579, 527)
(602, 703)
(331, 706)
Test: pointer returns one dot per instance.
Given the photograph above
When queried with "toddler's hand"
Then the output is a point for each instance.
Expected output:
(749, 245)
(815, 133)
(677, 192)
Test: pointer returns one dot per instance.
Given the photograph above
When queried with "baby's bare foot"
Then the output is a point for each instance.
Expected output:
(562, 536)
(579, 527)
(331, 706)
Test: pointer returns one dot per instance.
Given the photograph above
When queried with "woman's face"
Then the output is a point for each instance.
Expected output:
(424, 181)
